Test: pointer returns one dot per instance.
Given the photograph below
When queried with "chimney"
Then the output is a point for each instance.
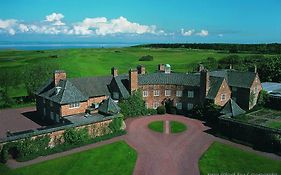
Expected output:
(255, 69)
(133, 80)
(200, 67)
(204, 84)
(114, 72)
(141, 69)
(161, 67)
(59, 75)
(167, 68)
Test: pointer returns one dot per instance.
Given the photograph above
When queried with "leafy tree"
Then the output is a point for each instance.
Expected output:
(116, 124)
(133, 106)
(36, 75)
(263, 99)
(76, 136)
(161, 109)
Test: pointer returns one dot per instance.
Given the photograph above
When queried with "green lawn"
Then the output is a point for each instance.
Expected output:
(98, 61)
(157, 126)
(274, 124)
(221, 158)
(177, 127)
(115, 158)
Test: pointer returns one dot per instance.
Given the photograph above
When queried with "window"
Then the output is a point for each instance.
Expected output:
(44, 111)
(74, 105)
(167, 92)
(179, 105)
(178, 93)
(190, 94)
(234, 89)
(44, 101)
(189, 106)
(156, 92)
(155, 105)
(222, 97)
(144, 93)
(146, 105)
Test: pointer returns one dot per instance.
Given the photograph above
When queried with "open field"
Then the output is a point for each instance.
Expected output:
(115, 158)
(221, 158)
(98, 61)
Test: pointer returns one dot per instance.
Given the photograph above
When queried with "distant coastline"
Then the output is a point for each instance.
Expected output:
(59, 45)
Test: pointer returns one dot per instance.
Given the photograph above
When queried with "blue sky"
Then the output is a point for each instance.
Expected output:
(234, 21)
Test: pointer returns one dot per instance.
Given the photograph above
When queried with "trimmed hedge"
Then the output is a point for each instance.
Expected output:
(161, 110)
(146, 58)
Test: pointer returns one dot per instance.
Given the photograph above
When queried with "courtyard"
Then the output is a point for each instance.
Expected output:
(160, 152)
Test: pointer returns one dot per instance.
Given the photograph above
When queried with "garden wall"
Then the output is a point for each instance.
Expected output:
(259, 137)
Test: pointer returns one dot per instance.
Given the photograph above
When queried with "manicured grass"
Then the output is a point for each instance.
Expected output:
(156, 126)
(98, 61)
(115, 158)
(221, 158)
(274, 124)
(177, 127)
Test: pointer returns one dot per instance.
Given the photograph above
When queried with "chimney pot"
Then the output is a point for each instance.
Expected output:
(59, 75)
(114, 71)
(141, 69)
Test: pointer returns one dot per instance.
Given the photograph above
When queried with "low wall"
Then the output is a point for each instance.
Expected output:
(258, 136)
(55, 133)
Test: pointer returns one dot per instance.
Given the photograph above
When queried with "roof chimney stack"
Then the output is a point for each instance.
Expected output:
(133, 80)
(161, 67)
(59, 75)
(141, 69)
(114, 72)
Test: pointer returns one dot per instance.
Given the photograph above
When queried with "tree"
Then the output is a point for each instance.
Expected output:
(133, 106)
(263, 99)
(36, 75)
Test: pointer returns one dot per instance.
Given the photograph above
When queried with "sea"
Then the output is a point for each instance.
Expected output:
(57, 45)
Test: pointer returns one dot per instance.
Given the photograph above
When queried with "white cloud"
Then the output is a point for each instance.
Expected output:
(102, 26)
(55, 19)
(187, 33)
(203, 33)
(220, 35)
(99, 26)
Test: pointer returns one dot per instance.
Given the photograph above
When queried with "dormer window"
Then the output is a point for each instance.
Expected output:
(167, 68)
(58, 89)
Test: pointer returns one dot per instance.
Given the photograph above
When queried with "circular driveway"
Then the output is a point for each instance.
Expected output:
(162, 153)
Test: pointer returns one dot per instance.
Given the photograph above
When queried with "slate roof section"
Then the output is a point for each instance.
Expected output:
(235, 78)
(215, 84)
(93, 86)
(169, 78)
(119, 84)
(109, 107)
(232, 109)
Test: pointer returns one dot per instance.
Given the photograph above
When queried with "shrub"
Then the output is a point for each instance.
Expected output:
(161, 109)
(76, 136)
(146, 58)
(116, 124)
(151, 111)
(4, 155)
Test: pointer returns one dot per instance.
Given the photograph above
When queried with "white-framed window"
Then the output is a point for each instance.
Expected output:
(190, 94)
(44, 111)
(189, 106)
(144, 93)
(234, 89)
(156, 93)
(155, 105)
(146, 104)
(222, 97)
(167, 92)
(74, 105)
(179, 105)
(179, 93)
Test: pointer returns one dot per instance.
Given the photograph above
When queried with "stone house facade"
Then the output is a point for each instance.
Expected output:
(62, 96)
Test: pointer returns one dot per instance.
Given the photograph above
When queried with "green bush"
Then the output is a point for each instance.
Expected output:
(116, 124)
(146, 58)
(4, 155)
(151, 111)
(76, 136)
(161, 110)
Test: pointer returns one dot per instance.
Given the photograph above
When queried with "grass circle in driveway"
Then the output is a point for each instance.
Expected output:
(177, 127)
(156, 126)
